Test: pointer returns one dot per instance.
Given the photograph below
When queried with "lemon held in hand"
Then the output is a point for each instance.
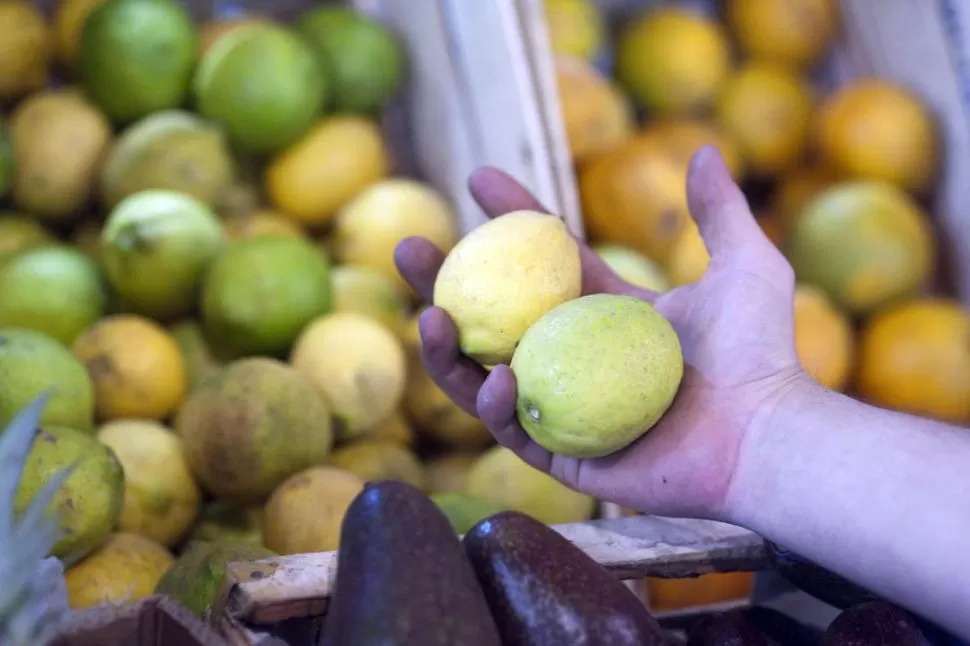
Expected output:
(596, 373)
(500, 278)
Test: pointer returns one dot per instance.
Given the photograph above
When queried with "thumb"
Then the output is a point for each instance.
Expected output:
(721, 211)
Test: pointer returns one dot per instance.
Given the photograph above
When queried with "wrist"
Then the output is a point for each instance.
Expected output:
(765, 447)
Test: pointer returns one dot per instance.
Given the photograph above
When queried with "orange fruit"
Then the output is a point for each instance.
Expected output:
(596, 113)
(136, 366)
(823, 338)
(767, 109)
(797, 188)
(865, 244)
(873, 129)
(792, 32)
(673, 60)
(914, 357)
(674, 594)
(681, 138)
(635, 196)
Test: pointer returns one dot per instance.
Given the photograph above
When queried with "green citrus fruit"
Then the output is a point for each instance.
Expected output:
(174, 150)
(262, 291)
(32, 363)
(56, 290)
(137, 57)
(155, 247)
(367, 61)
(263, 84)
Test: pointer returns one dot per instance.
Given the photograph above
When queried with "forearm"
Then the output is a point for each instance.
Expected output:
(879, 497)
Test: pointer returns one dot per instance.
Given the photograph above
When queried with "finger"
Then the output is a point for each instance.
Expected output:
(458, 376)
(496, 408)
(418, 262)
(720, 209)
(498, 193)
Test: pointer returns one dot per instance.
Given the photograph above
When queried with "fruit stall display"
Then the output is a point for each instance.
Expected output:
(196, 261)
(845, 169)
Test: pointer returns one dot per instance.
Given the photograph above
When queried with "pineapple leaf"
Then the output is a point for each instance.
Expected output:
(15, 444)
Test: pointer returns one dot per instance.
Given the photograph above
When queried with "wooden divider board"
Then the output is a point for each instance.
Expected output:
(272, 590)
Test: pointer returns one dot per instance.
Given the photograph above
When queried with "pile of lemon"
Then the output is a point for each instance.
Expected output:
(197, 230)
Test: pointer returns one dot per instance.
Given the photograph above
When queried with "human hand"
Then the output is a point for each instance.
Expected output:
(735, 327)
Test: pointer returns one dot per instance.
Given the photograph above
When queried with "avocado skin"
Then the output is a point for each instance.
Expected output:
(402, 577)
(822, 584)
(545, 591)
(726, 629)
(874, 623)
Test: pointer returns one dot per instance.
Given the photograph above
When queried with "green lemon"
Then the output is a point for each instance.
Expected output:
(155, 247)
(262, 292)
(263, 84)
(137, 57)
(56, 290)
(368, 62)
(32, 363)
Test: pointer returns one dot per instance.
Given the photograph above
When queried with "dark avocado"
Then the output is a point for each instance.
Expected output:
(822, 584)
(545, 591)
(727, 629)
(874, 623)
(402, 577)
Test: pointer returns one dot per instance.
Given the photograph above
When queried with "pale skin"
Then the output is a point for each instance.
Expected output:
(881, 498)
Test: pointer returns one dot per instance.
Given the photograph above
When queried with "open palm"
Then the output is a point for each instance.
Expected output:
(735, 326)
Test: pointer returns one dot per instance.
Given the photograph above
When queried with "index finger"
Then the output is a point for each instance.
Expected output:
(499, 193)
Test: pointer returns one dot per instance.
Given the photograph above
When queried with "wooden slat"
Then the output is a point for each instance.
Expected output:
(272, 590)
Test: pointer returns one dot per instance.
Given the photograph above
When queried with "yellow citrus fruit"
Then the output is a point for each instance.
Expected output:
(25, 49)
(136, 366)
(162, 498)
(259, 223)
(635, 196)
(53, 179)
(19, 233)
(873, 129)
(824, 338)
(448, 473)
(791, 32)
(437, 417)
(369, 292)
(126, 568)
(673, 60)
(375, 460)
(767, 109)
(393, 428)
(914, 357)
(576, 27)
(633, 267)
(212, 31)
(357, 364)
(865, 243)
(368, 228)
(69, 19)
(597, 115)
(681, 138)
(316, 176)
(305, 512)
(501, 477)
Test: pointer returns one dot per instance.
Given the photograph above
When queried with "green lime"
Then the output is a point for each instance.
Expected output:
(155, 247)
(32, 363)
(368, 62)
(56, 290)
(263, 84)
(262, 291)
(6, 160)
(19, 232)
(463, 510)
(137, 57)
